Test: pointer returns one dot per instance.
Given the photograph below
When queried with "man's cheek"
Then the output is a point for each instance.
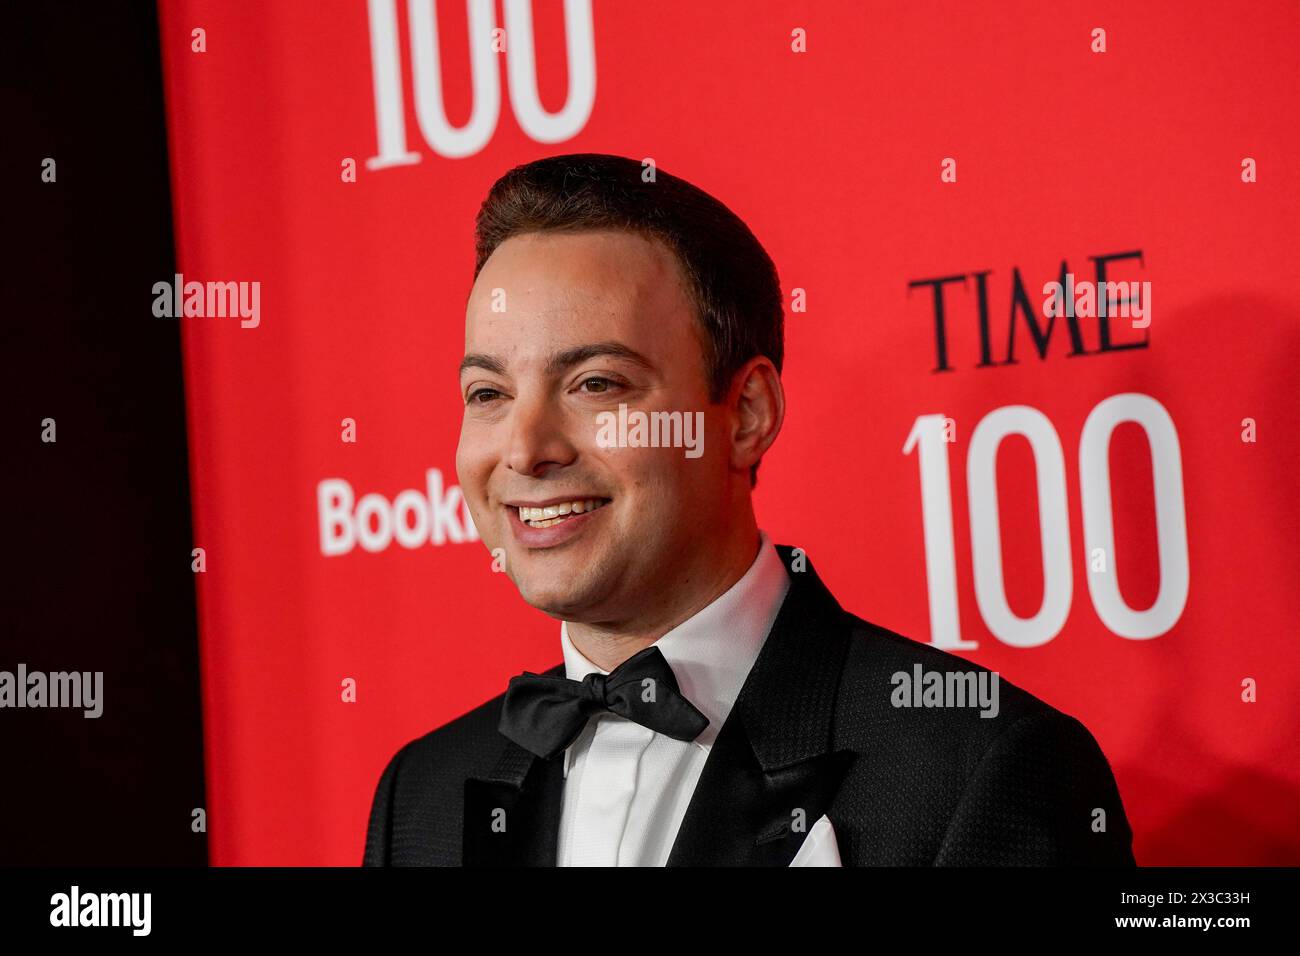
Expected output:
(483, 522)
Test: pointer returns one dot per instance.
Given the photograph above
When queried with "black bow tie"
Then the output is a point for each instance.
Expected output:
(546, 714)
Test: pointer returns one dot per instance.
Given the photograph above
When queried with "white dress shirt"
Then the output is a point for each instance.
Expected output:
(626, 787)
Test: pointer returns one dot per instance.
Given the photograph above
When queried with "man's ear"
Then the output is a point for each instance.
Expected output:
(758, 408)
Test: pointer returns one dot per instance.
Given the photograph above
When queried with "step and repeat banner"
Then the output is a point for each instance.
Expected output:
(1042, 346)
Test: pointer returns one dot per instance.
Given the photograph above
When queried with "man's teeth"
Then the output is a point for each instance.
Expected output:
(554, 514)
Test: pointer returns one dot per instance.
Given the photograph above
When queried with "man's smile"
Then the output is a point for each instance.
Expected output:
(551, 512)
(546, 524)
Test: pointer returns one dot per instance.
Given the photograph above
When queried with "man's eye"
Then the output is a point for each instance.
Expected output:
(606, 384)
(477, 392)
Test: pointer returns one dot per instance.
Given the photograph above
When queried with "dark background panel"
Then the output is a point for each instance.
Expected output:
(98, 578)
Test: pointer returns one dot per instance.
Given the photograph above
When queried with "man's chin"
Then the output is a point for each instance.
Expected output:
(556, 595)
(561, 605)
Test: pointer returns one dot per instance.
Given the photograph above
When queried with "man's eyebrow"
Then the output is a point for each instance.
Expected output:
(580, 353)
(479, 360)
(562, 360)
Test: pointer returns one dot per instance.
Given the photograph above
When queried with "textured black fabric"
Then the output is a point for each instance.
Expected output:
(815, 730)
(544, 714)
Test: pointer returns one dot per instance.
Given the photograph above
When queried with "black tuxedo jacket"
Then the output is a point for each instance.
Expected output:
(813, 730)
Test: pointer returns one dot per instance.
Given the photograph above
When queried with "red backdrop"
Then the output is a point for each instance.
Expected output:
(835, 156)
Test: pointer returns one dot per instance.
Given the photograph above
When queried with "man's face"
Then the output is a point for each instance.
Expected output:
(529, 435)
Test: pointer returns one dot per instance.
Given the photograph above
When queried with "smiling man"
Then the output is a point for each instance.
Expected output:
(715, 705)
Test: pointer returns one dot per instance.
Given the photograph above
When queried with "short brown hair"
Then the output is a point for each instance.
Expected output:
(731, 279)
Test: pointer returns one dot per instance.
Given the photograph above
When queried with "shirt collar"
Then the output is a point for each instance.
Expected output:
(712, 652)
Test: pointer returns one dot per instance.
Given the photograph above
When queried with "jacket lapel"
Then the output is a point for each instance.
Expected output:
(512, 816)
(771, 772)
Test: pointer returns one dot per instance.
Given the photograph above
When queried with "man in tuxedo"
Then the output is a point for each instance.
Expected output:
(715, 705)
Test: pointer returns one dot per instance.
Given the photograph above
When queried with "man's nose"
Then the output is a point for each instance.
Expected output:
(538, 438)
